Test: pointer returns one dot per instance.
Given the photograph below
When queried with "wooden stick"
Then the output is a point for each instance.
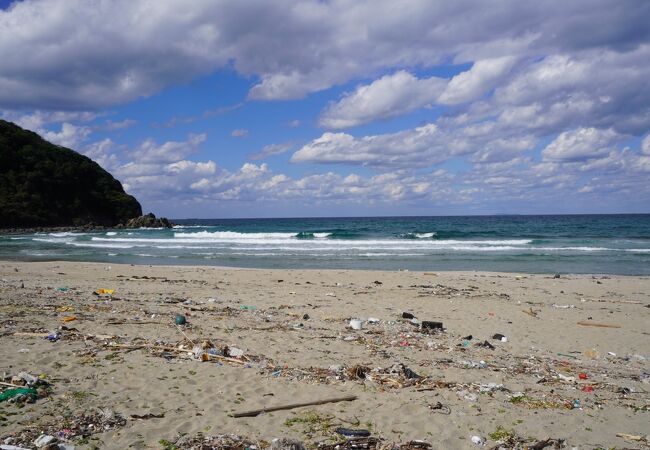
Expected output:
(256, 412)
(599, 325)
(186, 336)
(10, 385)
(531, 313)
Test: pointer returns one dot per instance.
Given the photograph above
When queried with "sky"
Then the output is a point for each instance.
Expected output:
(216, 109)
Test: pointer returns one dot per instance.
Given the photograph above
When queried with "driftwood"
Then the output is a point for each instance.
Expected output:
(599, 325)
(256, 412)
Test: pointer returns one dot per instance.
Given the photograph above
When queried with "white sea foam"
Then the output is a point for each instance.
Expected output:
(425, 235)
(322, 235)
(66, 234)
(638, 250)
(234, 235)
(111, 233)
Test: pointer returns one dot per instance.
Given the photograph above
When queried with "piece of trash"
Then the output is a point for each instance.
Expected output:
(499, 337)
(53, 337)
(104, 292)
(248, 307)
(592, 353)
(557, 275)
(352, 432)
(440, 408)
(44, 440)
(407, 315)
(373, 320)
(28, 394)
(69, 319)
(468, 338)
(305, 317)
(582, 376)
(485, 344)
(23, 350)
(429, 325)
(478, 440)
(588, 388)
(29, 379)
(555, 305)
(180, 319)
(356, 324)
(566, 378)
(330, 294)
(235, 352)
(576, 403)
(276, 444)
(11, 447)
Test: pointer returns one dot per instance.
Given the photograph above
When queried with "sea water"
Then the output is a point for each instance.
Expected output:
(593, 244)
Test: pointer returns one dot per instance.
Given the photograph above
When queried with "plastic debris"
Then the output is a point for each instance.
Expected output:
(349, 432)
(104, 292)
(180, 319)
(19, 394)
(478, 440)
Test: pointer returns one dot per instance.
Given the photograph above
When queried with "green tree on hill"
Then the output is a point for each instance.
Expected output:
(42, 184)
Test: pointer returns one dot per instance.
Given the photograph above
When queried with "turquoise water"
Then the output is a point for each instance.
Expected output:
(607, 244)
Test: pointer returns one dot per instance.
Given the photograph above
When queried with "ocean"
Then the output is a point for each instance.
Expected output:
(586, 244)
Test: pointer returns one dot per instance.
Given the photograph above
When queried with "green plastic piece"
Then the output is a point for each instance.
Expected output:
(11, 393)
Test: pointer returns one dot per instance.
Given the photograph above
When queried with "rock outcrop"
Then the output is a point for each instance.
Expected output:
(147, 221)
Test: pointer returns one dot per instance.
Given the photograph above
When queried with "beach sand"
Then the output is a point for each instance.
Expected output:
(536, 392)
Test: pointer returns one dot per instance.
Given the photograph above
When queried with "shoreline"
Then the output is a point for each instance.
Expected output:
(550, 274)
(280, 336)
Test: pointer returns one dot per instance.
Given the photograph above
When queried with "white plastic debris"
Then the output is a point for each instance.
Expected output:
(478, 440)
(235, 352)
(356, 324)
(44, 440)
(565, 378)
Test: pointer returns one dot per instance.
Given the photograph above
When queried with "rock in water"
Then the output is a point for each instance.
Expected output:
(46, 185)
(148, 221)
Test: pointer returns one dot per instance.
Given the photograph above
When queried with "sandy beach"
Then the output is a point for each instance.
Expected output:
(572, 366)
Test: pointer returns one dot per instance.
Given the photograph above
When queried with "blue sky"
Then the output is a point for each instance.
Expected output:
(303, 108)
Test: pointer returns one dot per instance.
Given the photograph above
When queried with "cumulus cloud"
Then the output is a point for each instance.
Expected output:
(472, 84)
(580, 144)
(272, 150)
(417, 147)
(389, 96)
(170, 151)
(111, 52)
(645, 145)
(69, 136)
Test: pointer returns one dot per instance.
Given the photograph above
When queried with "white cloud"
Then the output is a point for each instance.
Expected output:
(645, 145)
(415, 148)
(472, 84)
(70, 135)
(580, 144)
(125, 49)
(272, 150)
(239, 132)
(170, 151)
(389, 96)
